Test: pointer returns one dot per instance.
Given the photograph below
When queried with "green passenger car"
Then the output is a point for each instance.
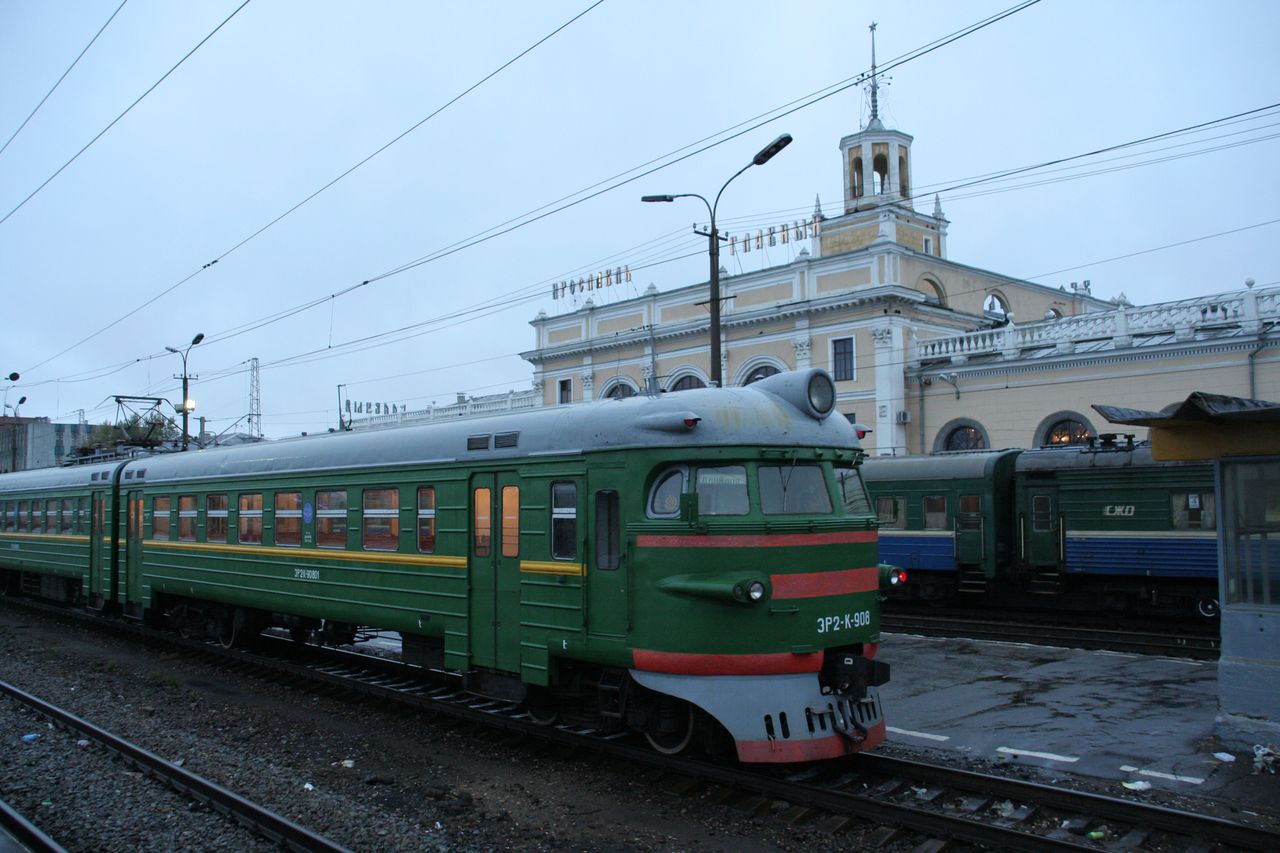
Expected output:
(689, 566)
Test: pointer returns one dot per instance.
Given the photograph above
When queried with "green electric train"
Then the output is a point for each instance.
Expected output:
(687, 566)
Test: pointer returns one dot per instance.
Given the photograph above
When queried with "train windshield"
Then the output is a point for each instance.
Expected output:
(854, 492)
(793, 490)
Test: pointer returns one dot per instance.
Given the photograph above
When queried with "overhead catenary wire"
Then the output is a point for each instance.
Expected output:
(58, 83)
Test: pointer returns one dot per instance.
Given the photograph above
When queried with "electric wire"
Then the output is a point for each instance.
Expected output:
(63, 77)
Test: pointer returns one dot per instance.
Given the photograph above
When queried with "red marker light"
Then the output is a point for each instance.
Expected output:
(900, 577)
(690, 423)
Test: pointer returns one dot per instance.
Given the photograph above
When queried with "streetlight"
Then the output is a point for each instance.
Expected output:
(188, 405)
(713, 237)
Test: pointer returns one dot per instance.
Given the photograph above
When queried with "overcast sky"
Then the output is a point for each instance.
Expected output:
(104, 266)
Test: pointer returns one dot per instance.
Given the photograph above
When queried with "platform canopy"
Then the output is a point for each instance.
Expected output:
(1206, 426)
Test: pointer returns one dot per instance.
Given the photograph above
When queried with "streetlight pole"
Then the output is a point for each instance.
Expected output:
(713, 237)
(187, 404)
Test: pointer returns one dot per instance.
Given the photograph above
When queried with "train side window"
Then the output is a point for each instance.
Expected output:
(427, 520)
(24, 517)
(160, 518)
(1041, 513)
(215, 510)
(970, 517)
(511, 521)
(607, 549)
(793, 490)
(249, 519)
(187, 518)
(935, 512)
(381, 519)
(68, 516)
(10, 519)
(82, 513)
(1194, 511)
(853, 491)
(331, 519)
(37, 516)
(52, 522)
(891, 512)
(288, 523)
(722, 490)
(664, 497)
(564, 520)
(482, 521)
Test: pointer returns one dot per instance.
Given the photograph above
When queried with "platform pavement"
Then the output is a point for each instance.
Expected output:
(1113, 717)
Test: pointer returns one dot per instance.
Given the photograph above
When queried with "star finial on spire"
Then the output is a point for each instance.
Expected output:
(875, 87)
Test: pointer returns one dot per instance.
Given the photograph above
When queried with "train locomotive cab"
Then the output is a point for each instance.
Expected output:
(756, 584)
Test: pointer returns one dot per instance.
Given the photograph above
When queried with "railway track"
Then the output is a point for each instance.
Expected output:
(247, 814)
(910, 800)
(1161, 641)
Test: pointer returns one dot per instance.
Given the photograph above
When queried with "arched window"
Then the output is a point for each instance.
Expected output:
(965, 438)
(933, 292)
(995, 307)
(684, 383)
(855, 177)
(762, 372)
(1062, 429)
(1067, 432)
(1053, 314)
(880, 165)
(904, 186)
(620, 391)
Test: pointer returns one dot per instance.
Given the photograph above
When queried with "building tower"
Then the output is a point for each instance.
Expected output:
(878, 197)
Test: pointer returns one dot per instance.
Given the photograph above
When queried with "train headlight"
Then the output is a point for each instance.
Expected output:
(822, 394)
(755, 590)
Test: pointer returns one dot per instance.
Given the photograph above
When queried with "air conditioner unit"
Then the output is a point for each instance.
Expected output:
(904, 417)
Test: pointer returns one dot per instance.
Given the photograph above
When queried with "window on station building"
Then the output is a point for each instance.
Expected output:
(249, 519)
(288, 523)
(1194, 510)
(427, 520)
(565, 391)
(842, 365)
(965, 438)
(793, 490)
(331, 519)
(1066, 431)
(764, 371)
(934, 508)
(684, 383)
(160, 518)
(620, 391)
(215, 513)
(187, 518)
(381, 519)
(891, 512)
(564, 520)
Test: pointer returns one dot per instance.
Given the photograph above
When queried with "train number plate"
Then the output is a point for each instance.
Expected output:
(844, 621)
(306, 574)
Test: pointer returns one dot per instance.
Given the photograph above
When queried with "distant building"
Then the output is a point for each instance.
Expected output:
(931, 354)
(27, 443)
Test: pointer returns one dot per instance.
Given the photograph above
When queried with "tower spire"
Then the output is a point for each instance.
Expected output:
(875, 86)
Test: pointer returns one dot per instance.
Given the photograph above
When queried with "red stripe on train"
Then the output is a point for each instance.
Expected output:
(779, 540)
(683, 663)
(815, 584)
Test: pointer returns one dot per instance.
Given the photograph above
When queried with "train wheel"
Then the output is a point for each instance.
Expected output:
(542, 706)
(679, 723)
(1209, 608)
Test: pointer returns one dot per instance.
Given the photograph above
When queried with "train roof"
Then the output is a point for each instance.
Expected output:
(938, 466)
(1119, 455)
(773, 412)
(76, 476)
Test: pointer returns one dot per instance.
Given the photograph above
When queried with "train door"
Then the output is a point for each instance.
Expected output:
(98, 570)
(608, 612)
(970, 531)
(133, 552)
(494, 571)
(1043, 527)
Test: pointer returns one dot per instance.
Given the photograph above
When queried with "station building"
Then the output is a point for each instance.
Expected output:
(930, 353)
